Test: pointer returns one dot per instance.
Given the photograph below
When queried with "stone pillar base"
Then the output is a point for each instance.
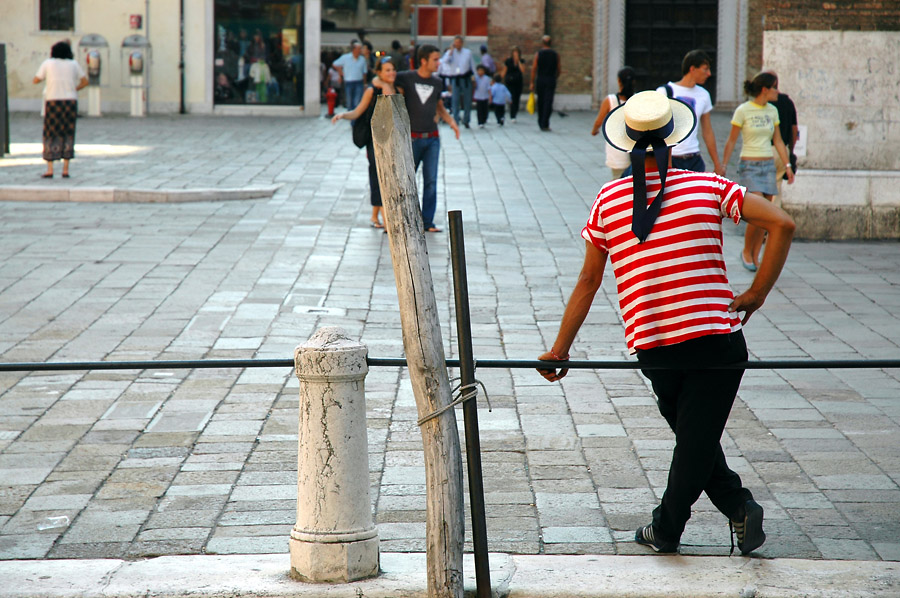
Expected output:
(334, 562)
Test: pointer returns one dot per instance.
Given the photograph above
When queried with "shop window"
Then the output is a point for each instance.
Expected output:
(384, 4)
(258, 52)
(340, 4)
(57, 15)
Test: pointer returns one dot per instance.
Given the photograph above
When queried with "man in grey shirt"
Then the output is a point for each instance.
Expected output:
(421, 90)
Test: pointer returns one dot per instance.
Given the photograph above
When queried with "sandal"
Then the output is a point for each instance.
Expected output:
(65, 175)
(47, 175)
(433, 229)
(376, 224)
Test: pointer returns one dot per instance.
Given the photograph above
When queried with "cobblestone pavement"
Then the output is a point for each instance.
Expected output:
(179, 462)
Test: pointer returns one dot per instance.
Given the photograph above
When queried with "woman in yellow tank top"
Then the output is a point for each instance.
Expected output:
(757, 123)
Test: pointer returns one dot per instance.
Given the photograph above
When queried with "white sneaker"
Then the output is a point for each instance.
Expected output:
(512, 120)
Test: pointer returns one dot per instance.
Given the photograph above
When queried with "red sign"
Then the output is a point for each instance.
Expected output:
(135, 21)
(447, 21)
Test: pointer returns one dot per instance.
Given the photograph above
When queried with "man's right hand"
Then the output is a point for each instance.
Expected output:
(551, 375)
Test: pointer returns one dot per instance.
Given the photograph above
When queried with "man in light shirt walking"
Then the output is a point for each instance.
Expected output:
(459, 67)
(353, 67)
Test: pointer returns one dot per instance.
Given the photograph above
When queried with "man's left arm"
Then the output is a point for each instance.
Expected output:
(709, 137)
(445, 116)
(758, 211)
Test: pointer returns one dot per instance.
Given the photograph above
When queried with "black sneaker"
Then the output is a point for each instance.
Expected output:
(749, 531)
(644, 535)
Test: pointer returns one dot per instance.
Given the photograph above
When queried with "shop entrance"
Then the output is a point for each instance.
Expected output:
(659, 34)
(258, 53)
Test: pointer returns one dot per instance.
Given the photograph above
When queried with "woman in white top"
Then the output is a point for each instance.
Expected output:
(64, 77)
(617, 161)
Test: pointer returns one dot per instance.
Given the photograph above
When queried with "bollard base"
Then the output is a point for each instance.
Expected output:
(334, 562)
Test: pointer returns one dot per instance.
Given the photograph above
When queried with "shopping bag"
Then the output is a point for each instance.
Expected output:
(530, 104)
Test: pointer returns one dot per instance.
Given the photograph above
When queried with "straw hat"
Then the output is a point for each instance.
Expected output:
(648, 112)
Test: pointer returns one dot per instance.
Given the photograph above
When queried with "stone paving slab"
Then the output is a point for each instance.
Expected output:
(512, 576)
(147, 463)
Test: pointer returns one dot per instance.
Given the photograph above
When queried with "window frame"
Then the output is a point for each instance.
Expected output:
(39, 11)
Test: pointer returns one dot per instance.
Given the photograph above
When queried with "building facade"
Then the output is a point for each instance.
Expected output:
(840, 62)
(204, 56)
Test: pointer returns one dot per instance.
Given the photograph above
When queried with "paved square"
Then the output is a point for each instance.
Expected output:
(191, 461)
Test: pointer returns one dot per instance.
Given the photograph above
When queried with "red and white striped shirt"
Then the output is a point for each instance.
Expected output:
(672, 287)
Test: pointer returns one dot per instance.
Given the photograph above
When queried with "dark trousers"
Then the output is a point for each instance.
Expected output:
(499, 112)
(374, 187)
(545, 91)
(462, 97)
(515, 90)
(481, 108)
(696, 404)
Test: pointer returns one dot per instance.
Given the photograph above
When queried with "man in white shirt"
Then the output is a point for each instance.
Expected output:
(353, 67)
(695, 71)
(459, 66)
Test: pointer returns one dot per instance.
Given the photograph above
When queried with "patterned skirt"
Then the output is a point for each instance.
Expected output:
(59, 129)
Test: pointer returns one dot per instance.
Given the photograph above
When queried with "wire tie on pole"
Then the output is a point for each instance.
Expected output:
(460, 398)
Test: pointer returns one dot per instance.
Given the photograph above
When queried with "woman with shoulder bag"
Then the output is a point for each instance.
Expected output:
(387, 74)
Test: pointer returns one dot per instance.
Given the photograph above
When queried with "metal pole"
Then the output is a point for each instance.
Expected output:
(470, 407)
(400, 362)
(4, 104)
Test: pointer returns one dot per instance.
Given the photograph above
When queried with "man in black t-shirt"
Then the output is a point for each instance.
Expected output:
(787, 116)
(545, 70)
(421, 90)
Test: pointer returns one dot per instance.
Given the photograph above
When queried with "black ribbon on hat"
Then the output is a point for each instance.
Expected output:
(643, 216)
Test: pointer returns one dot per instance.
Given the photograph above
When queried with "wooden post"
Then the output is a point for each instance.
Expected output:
(445, 527)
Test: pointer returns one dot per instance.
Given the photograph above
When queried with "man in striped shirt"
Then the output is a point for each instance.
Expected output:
(662, 232)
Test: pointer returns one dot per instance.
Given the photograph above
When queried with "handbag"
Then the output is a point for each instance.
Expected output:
(362, 126)
(529, 106)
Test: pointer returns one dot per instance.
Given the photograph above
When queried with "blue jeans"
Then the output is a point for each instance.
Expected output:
(427, 151)
(354, 91)
(693, 163)
(462, 92)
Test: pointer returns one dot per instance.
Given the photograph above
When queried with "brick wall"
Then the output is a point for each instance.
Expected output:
(571, 24)
(515, 23)
(838, 15)
(756, 11)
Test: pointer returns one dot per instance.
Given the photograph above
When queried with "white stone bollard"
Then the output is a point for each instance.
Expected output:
(334, 539)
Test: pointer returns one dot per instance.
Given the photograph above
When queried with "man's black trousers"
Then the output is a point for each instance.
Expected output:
(696, 404)
(545, 90)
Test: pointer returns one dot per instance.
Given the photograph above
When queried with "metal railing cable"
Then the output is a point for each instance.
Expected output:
(190, 364)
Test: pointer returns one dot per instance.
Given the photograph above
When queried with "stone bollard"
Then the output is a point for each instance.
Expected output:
(334, 539)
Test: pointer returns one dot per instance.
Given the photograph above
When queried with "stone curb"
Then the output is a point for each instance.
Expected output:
(403, 575)
(120, 195)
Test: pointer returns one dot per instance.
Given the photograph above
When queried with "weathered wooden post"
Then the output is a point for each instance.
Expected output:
(445, 527)
(334, 539)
